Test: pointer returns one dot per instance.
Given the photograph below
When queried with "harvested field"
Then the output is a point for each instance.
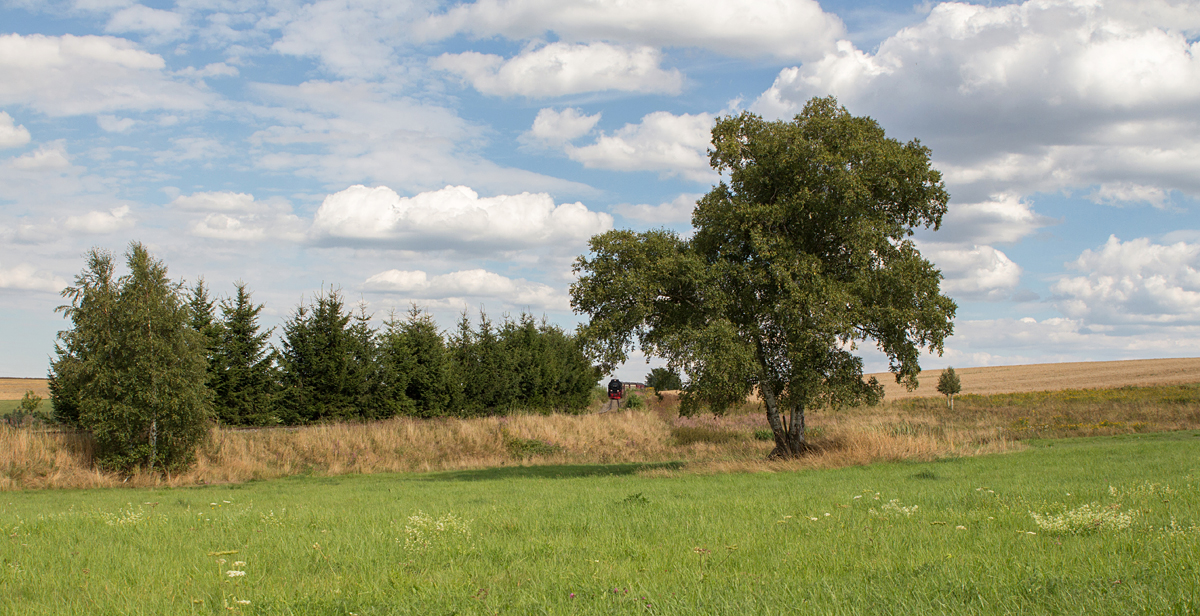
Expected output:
(14, 389)
(1053, 377)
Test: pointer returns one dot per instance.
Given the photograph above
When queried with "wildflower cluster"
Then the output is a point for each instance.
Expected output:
(893, 507)
(1087, 518)
(423, 531)
(123, 517)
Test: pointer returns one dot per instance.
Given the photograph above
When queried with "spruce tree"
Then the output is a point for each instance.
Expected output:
(329, 364)
(418, 362)
(244, 383)
(204, 320)
(131, 370)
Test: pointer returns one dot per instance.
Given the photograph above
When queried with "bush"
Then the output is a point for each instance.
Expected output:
(27, 412)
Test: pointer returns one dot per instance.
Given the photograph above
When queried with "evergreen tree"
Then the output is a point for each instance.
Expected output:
(485, 375)
(204, 320)
(244, 383)
(329, 365)
(131, 370)
(417, 360)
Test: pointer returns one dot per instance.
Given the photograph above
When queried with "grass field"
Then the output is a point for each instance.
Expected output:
(951, 537)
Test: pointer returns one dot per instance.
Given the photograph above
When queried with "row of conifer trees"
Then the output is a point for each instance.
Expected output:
(333, 365)
(147, 363)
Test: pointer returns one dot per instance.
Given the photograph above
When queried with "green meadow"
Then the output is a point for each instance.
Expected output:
(1116, 532)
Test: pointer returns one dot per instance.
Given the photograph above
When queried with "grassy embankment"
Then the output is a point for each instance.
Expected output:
(907, 429)
(1118, 535)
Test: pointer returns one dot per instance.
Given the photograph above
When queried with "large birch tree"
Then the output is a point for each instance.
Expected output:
(802, 256)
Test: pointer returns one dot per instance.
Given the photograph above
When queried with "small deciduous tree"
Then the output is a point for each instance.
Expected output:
(949, 385)
(802, 256)
(661, 379)
(131, 370)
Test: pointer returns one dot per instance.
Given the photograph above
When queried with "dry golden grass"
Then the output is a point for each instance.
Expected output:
(47, 459)
(903, 428)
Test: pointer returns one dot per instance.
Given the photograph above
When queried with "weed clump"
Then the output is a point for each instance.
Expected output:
(522, 448)
(1085, 519)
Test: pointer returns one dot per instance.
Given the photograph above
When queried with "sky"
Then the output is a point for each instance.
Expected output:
(458, 156)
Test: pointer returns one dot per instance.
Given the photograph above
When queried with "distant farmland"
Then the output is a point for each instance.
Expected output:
(14, 389)
(1054, 377)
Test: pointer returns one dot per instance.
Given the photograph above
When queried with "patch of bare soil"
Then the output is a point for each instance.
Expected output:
(1053, 377)
(14, 389)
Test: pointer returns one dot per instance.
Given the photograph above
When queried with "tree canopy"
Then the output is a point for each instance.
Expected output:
(804, 254)
(131, 370)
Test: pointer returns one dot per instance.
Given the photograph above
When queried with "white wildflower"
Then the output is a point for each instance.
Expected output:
(235, 573)
(1086, 518)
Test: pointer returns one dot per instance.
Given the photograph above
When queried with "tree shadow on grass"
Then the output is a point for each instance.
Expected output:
(562, 471)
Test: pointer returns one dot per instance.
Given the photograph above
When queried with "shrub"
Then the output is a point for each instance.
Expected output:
(522, 448)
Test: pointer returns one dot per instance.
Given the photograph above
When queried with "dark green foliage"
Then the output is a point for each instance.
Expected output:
(484, 375)
(520, 365)
(242, 370)
(661, 379)
(329, 365)
(804, 254)
(131, 370)
(204, 317)
(414, 356)
(553, 374)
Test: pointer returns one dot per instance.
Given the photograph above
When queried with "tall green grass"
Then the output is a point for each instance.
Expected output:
(950, 537)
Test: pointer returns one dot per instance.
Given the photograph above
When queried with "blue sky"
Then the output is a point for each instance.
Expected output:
(458, 156)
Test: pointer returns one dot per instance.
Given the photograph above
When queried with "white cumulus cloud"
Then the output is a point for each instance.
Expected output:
(113, 124)
(468, 284)
(49, 157)
(1120, 193)
(1002, 219)
(974, 272)
(793, 29)
(73, 75)
(159, 24)
(673, 145)
(558, 69)
(557, 128)
(11, 134)
(351, 39)
(28, 277)
(677, 210)
(239, 217)
(1134, 282)
(1037, 96)
(454, 218)
(95, 222)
